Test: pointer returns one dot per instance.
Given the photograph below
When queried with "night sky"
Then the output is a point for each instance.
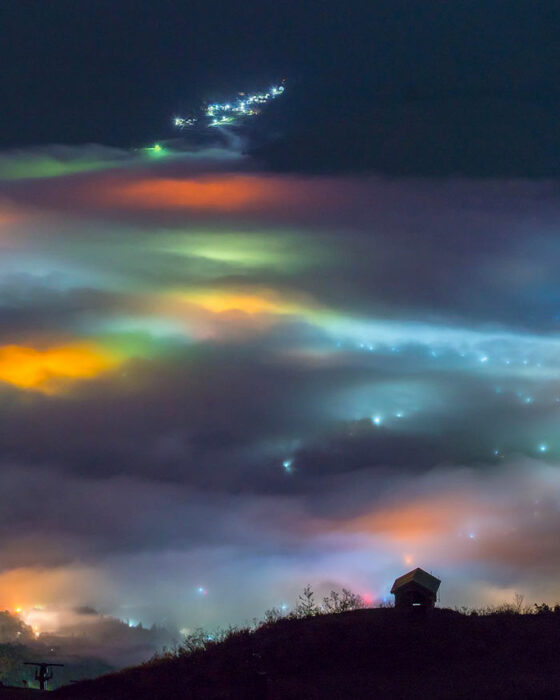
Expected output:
(325, 350)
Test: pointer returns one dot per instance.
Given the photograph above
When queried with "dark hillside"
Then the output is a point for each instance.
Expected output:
(377, 653)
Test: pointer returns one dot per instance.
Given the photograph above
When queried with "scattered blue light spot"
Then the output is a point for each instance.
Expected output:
(377, 420)
(288, 465)
(543, 447)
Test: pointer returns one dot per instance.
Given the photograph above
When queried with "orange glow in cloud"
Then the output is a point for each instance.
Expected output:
(49, 370)
(8, 217)
(35, 593)
(9, 214)
(24, 589)
(220, 193)
(413, 522)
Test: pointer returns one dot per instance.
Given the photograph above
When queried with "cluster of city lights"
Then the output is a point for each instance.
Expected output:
(379, 420)
(224, 113)
(476, 356)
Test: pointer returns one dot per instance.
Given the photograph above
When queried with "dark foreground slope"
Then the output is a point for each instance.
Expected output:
(363, 654)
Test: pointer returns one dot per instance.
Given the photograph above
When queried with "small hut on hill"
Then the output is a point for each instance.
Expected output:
(417, 588)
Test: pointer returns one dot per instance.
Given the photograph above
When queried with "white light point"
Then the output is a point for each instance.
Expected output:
(377, 420)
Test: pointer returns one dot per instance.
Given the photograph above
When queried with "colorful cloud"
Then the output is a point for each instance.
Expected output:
(50, 370)
(227, 375)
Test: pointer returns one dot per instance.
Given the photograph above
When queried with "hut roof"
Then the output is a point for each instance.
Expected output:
(419, 576)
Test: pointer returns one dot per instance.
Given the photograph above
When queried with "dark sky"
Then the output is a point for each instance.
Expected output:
(431, 86)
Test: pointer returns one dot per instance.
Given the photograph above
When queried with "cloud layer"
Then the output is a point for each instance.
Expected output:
(219, 384)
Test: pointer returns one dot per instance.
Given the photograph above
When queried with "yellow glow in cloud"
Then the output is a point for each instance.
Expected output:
(235, 312)
(49, 370)
(221, 302)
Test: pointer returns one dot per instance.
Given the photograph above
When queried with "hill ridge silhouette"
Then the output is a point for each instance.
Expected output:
(367, 653)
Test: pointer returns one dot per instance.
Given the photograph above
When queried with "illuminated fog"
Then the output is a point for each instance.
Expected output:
(219, 385)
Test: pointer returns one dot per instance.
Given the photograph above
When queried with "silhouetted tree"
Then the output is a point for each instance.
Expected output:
(306, 605)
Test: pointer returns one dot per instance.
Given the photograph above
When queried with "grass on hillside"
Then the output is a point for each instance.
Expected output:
(357, 653)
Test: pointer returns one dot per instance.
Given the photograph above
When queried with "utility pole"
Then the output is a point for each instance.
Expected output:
(43, 672)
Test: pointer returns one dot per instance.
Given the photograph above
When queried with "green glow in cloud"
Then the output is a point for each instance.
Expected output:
(57, 161)
(278, 250)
